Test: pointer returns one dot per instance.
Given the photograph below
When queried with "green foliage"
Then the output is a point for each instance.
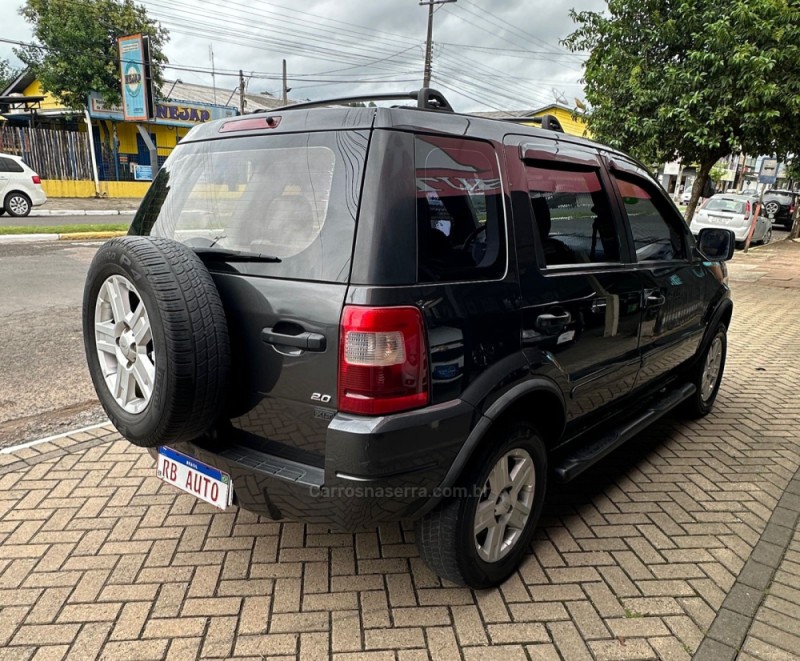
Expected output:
(693, 79)
(77, 45)
(7, 73)
(717, 172)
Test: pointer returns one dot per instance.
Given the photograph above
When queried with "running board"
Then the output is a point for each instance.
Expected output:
(590, 453)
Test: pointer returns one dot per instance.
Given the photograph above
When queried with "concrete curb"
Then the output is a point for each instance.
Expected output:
(40, 213)
(69, 236)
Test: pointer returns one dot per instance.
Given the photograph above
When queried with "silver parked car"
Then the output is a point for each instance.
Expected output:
(733, 212)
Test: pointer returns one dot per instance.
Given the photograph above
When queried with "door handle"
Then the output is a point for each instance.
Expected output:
(306, 341)
(552, 323)
(654, 298)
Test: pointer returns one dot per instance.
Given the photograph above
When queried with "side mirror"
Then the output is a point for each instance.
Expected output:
(717, 244)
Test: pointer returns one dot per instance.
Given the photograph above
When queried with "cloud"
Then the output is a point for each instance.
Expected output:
(487, 55)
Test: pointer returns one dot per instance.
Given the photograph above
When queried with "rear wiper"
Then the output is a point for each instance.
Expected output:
(225, 255)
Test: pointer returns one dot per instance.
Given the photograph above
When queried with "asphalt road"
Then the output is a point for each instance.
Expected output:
(46, 221)
(44, 384)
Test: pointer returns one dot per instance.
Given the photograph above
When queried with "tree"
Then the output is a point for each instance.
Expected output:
(717, 172)
(77, 49)
(7, 73)
(692, 79)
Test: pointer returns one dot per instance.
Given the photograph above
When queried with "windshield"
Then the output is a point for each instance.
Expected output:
(726, 204)
(293, 197)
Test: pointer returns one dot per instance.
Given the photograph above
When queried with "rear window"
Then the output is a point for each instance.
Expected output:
(726, 204)
(292, 196)
(460, 219)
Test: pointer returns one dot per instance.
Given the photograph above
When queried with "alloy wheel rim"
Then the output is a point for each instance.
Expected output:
(772, 208)
(18, 205)
(712, 369)
(124, 342)
(505, 505)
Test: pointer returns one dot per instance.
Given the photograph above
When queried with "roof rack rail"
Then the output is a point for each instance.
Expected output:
(426, 98)
(547, 122)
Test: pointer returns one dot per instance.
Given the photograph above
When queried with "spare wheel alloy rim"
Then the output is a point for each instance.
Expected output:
(124, 341)
(505, 505)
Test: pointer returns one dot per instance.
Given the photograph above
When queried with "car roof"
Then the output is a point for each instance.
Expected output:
(731, 196)
(12, 157)
(409, 118)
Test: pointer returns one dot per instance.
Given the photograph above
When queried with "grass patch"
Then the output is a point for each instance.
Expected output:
(631, 614)
(62, 229)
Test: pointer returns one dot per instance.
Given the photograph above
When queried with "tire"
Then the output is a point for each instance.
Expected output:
(17, 204)
(767, 237)
(166, 384)
(446, 536)
(705, 394)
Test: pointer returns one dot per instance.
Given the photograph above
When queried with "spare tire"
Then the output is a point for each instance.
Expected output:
(156, 340)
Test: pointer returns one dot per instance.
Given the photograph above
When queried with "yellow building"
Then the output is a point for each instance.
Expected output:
(574, 125)
(571, 120)
(121, 154)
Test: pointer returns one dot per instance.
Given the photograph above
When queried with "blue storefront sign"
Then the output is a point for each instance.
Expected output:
(143, 173)
(135, 93)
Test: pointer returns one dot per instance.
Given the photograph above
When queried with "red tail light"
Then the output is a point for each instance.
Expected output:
(36, 179)
(747, 210)
(383, 360)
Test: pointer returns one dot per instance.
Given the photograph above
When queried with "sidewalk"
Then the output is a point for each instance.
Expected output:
(665, 551)
(87, 206)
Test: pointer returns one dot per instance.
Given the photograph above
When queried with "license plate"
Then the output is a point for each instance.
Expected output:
(192, 476)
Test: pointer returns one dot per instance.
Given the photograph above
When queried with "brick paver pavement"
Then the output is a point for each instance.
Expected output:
(666, 550)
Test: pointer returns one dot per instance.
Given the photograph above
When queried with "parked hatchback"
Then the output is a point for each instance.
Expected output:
(733, 212)
(351, 316)
(20, 187)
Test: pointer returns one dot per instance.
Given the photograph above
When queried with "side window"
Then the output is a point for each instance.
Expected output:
(655, 236)
(573, 216)
(460, 220)
(9, 165)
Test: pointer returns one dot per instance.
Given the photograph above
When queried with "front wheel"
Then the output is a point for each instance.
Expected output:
(767, 237)
(707, 375)
(478, 536)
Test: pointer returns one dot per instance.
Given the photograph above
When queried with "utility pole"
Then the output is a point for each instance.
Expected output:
(242, 101)
(426, 79)
(284, 88)
(213, 72)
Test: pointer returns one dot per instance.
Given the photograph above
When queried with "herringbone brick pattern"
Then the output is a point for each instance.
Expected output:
(98, 558)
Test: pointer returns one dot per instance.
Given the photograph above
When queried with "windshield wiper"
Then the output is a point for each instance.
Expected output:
(226, 255)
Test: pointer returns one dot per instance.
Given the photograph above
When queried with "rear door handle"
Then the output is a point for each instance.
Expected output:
(306, 341)
(552, 323)
(654, 298)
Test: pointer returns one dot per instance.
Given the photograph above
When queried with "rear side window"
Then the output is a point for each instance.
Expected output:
(460, 219)
(655, 236)
(573, 216)
(10, 165)
(291, 196)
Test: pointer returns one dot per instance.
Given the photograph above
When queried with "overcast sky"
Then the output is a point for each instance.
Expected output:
(488, 55)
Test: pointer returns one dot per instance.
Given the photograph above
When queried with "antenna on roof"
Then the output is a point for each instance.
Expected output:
(559, 96)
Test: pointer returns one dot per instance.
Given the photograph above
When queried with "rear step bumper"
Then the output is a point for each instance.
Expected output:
(375, 469)
(589, 453)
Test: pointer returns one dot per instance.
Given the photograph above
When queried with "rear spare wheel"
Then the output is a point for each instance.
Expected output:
(156, 340)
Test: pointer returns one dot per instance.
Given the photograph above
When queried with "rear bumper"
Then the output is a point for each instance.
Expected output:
(375, 469)
(38, 197)
(739, 232)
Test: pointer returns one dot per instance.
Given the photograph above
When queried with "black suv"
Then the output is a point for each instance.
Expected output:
(350, 316)
(779, 206)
